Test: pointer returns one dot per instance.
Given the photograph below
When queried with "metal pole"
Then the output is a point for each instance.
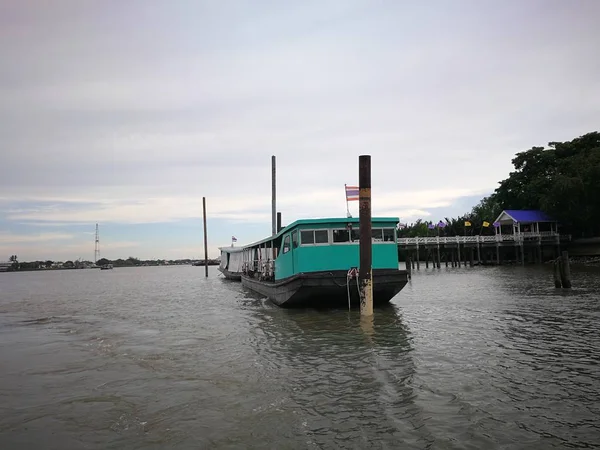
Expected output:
(273, 197)
(364, 200)
(205, 237)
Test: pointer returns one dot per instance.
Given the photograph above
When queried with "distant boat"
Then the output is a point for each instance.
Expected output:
(106, 267)
(231, 262)
(313, 262)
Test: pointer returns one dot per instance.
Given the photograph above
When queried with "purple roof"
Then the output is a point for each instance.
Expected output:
(528, 215)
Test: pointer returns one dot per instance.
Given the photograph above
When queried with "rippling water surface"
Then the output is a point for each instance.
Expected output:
(155, 358)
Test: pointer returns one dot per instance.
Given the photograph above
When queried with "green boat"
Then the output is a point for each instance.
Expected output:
(314, 262)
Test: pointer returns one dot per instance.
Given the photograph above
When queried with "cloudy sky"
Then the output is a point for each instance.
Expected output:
(126, 113)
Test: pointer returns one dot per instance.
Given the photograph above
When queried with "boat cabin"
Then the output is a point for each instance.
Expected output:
(317, 245)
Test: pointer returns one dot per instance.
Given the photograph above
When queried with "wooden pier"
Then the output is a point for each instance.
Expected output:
(522, 248)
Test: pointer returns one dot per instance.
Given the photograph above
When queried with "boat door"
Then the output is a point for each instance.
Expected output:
(294, 250)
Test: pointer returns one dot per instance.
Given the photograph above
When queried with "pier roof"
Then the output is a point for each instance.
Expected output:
(523, 216)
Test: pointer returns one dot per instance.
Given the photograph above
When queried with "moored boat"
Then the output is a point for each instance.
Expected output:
(314, 262)
(106, 267)
(231, 262)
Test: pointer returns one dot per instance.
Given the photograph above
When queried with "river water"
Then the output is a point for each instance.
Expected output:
(161, 357)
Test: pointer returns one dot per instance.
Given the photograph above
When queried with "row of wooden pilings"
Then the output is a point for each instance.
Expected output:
(562, 270)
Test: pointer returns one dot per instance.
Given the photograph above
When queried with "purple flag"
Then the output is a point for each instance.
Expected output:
(441, 224)
(431, 226)
(496, 224)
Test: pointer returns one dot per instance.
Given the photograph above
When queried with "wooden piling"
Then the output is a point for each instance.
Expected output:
(439, 258)
(364, 201)
(427, 259)
(418, 259)
(205, 237)
(452, 255)
(446, 257)
(407, 264)
(498, 254)
(273, 197)
(556, 267)
(278, 222)
(472, 257)
(565, 270)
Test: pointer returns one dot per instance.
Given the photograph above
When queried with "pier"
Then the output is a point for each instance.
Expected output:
(529, 247)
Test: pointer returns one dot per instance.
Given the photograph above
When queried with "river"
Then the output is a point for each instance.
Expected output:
(162, 357)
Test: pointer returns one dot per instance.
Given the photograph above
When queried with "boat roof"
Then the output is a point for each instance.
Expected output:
(322, 221)
(231, 249)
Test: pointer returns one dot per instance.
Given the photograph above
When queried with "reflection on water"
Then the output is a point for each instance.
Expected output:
(165, 358)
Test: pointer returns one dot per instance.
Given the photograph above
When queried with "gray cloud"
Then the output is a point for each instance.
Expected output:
(129, 101)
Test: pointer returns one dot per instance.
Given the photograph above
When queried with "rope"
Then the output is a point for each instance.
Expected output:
(352, 273)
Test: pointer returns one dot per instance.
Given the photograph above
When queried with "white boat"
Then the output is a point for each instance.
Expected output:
(106, 267)
(231, 263)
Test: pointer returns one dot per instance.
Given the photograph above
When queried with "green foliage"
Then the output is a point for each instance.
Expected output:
(563, 181)
(102, 261)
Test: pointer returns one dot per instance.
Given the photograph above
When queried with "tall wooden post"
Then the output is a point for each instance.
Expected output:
(273, 197)
(205, 237)
(366, 246)
(278, 222)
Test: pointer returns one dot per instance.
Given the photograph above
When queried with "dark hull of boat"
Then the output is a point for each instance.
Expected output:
(327, 289)
(234, 276)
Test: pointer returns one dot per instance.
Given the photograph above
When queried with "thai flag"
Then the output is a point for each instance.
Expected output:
(233, 239)
(351, 193)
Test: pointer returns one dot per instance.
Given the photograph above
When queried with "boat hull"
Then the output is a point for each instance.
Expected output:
(327, 289)
(234, 276)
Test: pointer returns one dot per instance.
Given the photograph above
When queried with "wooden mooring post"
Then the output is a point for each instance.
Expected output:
(562, 271)
(556, 271)
(565, 270)
(205, 237)
(366, 247)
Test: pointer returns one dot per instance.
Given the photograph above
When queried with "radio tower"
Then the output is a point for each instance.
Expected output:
(97, 245)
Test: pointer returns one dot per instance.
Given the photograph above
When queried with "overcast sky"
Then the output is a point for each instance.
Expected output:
(126, 113)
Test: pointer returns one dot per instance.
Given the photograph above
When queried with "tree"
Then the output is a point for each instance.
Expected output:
(68, 265)
(563, 181)
(48, 264)
(102, 261)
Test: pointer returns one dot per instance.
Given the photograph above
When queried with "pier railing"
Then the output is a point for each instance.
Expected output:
(499, 238)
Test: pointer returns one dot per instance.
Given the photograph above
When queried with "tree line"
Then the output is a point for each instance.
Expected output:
(562, 180)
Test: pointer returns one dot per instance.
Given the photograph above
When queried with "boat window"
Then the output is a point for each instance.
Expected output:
(377, 234)
(321, 237)
(295, 239)
(286, 244)
(355, 234)
(341, 236)
(388, 235)
(307, 237)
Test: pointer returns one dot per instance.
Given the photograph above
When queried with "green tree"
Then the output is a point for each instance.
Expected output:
(102, 261)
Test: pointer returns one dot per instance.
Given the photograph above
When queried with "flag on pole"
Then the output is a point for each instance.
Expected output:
(351, 193)
(431, 226)
(233, 239)
(467, 223)
(486, 224)
(441, 224)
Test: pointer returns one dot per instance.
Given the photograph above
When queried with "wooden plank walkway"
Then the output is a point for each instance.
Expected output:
(512, 239)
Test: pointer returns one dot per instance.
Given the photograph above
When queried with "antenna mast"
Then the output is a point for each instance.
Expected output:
(97, 245)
